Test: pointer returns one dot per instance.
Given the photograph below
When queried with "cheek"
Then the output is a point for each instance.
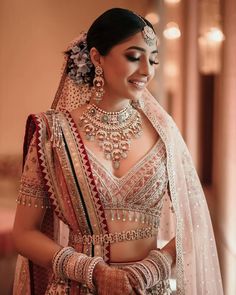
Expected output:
(152, 75)
(120, 72)
(117, 71)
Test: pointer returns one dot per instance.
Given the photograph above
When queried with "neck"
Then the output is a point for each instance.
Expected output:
(111, 104)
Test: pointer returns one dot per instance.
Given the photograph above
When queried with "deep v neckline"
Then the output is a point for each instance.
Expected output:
(104, 168)
(140, 162)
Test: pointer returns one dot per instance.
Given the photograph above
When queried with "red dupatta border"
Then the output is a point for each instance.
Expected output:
(39, 276)
(90, 181)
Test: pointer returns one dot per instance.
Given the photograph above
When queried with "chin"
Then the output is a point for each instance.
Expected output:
(136, 94)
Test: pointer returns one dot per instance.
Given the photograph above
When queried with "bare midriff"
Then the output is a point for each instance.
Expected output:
(129, 251)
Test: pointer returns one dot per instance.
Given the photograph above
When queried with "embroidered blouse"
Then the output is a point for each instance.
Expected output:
(138, 195)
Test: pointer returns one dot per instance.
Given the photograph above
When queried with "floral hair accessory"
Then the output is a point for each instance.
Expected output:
(79, 62)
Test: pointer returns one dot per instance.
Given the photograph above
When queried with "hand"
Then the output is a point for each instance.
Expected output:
(111, 281)
(135, 284)
(149, 271)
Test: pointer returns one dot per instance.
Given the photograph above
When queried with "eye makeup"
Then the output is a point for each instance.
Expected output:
(134, 58)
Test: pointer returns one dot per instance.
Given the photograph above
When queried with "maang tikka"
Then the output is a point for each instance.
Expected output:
(149, 35)
(98, 83)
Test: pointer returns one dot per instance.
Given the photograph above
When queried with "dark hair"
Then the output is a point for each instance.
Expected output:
(112, 27)
(109, 29)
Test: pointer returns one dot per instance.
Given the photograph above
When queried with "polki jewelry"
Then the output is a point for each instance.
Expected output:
(113, 131)
(98, 83)
(149, 35)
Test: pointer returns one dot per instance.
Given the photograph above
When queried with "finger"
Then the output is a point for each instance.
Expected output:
(128, 287)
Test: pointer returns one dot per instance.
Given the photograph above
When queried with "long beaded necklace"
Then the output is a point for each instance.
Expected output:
(112, 131)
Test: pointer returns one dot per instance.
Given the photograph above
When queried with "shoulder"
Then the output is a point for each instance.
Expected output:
(77, 113)
(37, 124)
(45, 118)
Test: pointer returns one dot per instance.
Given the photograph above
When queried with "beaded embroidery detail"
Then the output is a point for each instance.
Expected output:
(112, 131)
(32, 190)
(138, 195)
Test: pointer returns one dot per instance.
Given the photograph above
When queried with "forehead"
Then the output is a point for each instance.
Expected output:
(136, 40)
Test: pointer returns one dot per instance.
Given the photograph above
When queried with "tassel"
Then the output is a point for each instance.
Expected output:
(112, 215)
(130, 216)
(142, 217)
(124, 215)
(56, 137)
(118, 215)
(33, 201)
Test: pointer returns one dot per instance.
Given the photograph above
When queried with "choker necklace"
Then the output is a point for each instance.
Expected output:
(112, 131)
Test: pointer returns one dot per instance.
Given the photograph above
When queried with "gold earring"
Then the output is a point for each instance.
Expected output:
(98, 83)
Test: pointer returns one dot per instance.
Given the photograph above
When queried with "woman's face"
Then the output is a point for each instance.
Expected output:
(129, 67)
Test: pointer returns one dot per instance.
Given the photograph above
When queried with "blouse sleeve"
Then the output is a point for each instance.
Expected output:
(32, 190)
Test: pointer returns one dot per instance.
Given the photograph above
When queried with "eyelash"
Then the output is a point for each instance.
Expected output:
(132, 58)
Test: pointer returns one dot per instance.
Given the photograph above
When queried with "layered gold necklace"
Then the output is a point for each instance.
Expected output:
(113, 131)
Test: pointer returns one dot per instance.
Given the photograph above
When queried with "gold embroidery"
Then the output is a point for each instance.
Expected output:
(33, 201)
(122, 197)
(32, 190)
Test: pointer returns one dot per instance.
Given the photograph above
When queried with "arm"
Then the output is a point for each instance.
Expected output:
(29, 240)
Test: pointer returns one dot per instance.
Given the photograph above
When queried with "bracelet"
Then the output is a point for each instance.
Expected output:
(151, 270)
(58, 259)
(89, 273)
(168, 256)
(162, 263)
(146, 271)
(134, 273)
(69, 264)
(156, 273)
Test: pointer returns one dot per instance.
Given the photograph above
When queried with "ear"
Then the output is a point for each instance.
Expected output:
(95, 56)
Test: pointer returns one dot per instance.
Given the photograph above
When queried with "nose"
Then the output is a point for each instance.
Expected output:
(146, 68)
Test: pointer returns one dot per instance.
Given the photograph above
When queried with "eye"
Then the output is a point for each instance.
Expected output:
(154, 62)
(132, 58)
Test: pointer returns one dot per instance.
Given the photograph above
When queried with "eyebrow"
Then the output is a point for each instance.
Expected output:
(141, 49)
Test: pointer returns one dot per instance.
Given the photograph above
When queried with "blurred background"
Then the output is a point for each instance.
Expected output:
(195, 83)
